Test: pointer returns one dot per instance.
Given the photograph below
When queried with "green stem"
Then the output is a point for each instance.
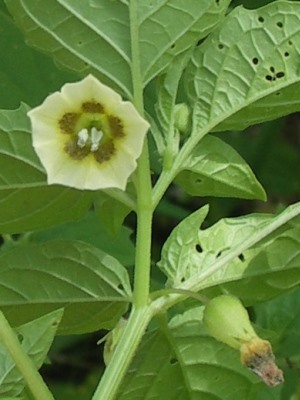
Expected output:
(141, 313)
(24, 364)
(123, 354)
(144, 188)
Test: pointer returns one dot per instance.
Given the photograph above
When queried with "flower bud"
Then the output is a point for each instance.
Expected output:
(181, 117)
(227, 320)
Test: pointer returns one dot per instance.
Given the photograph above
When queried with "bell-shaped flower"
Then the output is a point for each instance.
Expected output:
(86, 137)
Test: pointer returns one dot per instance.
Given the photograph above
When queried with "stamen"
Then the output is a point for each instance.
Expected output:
(96, 137)
(83, 136)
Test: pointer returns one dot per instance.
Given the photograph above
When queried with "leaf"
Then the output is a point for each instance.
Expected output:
(162, 39)
(92, 286)
(36, 338)
(178, 249)
(253, 274)
(281, 315)
(79, 34)
(181, 361)
(167, 88)
(90, 230)
(39, 75)
(27, 203)
(110, 211)
(246, 71)
(216, 169)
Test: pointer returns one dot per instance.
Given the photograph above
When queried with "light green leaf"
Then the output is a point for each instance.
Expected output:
(36, 338)
(181, 361)
(79, 34)
(253, 274)
(248, 68)
(215, 169)
(92, 286)
(179, 249)
(27, 203)
(167, 88)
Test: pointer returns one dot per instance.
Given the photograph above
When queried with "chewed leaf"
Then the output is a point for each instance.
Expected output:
(179, 249)
(246, 70)
(262, 271)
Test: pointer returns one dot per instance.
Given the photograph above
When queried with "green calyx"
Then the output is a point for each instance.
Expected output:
(227, 320)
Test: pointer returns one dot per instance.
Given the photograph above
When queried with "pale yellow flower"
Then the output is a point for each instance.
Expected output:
(87, 137)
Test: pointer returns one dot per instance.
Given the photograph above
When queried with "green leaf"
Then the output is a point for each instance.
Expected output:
(39, 75)
(36, 338)
(167, 88)
(92, 286)
(253, 274)
(110, 211)
(247, 71)
(281, 315)
(181, 361)
(27, 203)
(79, 34)
(90, 230)
(162, 39)
(179, 248)
(215, 169)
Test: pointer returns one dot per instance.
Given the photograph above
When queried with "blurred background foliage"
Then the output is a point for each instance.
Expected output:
(271, 149)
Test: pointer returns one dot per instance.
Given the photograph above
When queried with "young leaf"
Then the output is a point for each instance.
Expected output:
(181, 361)
(215, 169)
(92, 286)
(251, 273)
(27, 203)
(248, 68)
(79, 34)
(36, 338)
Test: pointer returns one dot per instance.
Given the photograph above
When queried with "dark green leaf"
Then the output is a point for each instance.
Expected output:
(91, 285)
(25, 74)
(27, 203)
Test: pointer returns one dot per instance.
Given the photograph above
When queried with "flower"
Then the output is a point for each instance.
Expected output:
(86, 137)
